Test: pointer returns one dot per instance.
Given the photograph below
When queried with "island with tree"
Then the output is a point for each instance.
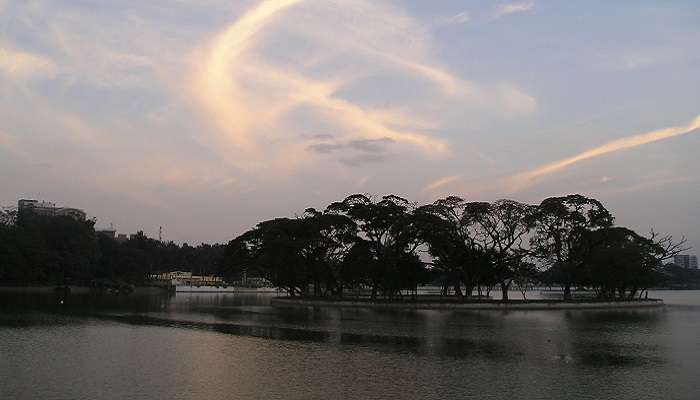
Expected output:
(371, 249)
(381, 250)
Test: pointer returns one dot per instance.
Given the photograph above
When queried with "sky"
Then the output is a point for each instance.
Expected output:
(208, 116)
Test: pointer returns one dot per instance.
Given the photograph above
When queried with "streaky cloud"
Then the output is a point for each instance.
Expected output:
(461, 17)
(527, 178)
(440, 183)
(214, 82)
(511, 8)
(246, 119)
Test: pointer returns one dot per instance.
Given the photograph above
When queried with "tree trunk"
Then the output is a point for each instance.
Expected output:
(458, 291)
(468, 290)
(567, 291)
(504, 290)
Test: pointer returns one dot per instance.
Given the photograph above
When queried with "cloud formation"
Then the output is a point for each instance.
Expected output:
(440, 183)
(521, 181)
(511, 8)
(24, 65)
(276, 63)
(529, 177)
(354, 152)
(261, 107)
(461, 17)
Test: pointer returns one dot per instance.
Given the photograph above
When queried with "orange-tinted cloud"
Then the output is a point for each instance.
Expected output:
(527, 178)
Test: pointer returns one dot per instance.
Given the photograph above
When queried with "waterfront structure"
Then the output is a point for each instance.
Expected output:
(686, 261)
(183, 281)
(186, 278)
(49, 209)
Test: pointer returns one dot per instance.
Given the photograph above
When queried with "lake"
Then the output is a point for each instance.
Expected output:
(237, 346)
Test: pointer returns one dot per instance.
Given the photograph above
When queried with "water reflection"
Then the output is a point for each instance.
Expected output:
(319, 349)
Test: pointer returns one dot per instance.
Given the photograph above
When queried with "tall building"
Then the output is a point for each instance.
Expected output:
(48, 209)
(686, 261)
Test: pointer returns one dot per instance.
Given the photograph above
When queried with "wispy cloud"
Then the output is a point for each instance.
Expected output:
(355, 152)
(511, 8)
(24, 65)
(9, 144)
(440, 183)
(360, 160)
(240, 112)
(524, 179)
(509, 185)
(639, 59)
(461, 17)
(655, 183)
(250, 95)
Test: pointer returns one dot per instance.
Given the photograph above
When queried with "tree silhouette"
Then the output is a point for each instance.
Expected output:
(559, 224)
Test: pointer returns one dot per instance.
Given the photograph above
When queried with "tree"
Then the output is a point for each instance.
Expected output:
(500, 229)
(38, 249)
(559, 224)
(447, 228)
(389, 230)
(331, 238)
(524, 274)
(273, 248)
(619, 261)
(8, 217)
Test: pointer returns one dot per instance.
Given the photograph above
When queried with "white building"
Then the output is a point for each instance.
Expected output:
(686, 261)
(48, 209)
(176, 278)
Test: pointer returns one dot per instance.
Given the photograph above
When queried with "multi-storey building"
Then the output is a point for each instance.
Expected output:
(686, 261)
(48, 209)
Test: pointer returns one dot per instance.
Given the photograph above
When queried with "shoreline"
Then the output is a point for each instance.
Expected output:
(474, 305)
(74, 289)
(79, 289)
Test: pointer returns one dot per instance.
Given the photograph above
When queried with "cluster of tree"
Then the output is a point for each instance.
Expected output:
(676, 277)
(37, 249)
(390, 246)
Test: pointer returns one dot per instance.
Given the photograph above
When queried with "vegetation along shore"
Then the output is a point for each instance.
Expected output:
(378, 248)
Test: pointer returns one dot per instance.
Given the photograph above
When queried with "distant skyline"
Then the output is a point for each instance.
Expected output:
(206, 116)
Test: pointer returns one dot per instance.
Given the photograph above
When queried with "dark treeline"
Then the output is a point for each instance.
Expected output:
(37, 250)
(384, 247)
(389, 246)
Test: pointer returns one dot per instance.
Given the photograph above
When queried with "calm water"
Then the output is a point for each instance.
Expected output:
(208, 346)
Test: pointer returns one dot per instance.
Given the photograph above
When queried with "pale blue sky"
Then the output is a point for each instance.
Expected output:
(208, 116)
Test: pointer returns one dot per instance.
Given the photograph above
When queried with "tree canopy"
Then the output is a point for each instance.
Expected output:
(369, 246)
(389, 246)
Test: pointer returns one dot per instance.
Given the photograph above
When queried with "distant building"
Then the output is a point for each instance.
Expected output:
(110, 233)
(48, 209)
(686, 261)
(176, 278)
